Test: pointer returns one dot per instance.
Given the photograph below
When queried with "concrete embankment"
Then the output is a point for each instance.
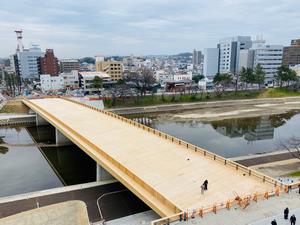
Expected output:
(201, 105)
(16, 119)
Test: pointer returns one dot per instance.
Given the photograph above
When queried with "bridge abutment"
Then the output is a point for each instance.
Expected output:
(40, 121)
(61, 139)
(102, 174)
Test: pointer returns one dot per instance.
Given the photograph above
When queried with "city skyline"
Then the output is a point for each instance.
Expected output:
(86, 28)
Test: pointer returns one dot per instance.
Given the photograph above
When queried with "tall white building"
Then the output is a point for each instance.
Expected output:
(270, 58)
(229, 52)
(211, 62)
(27, 62)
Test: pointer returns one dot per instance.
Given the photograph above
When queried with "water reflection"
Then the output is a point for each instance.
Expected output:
(234, 137)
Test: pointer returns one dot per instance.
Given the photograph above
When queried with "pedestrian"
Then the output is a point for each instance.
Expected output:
(205, 184)
(286, 213)
(293, 220)
(202, 189)
(299, 188)
(274, 222)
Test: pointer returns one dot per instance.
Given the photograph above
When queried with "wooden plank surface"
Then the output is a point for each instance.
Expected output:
(172, 170)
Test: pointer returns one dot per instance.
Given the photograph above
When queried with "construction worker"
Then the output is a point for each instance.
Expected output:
(202, 189)
(274, 222)
(205, 183)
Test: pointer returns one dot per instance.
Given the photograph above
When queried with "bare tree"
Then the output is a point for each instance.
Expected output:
(292, 145)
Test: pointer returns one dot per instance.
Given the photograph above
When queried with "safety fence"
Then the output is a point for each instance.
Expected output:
(17, 121)
(107, 161)
(241, 202)
(238, 167)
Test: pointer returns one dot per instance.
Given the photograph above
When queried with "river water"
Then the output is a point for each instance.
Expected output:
(25, 168)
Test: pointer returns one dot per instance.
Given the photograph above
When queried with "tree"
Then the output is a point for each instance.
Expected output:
(259, 75)
(285, 75)
(221, 81)
(292, 145)
(143, 80)
(247, 76)
(98, 84)
(197, 78)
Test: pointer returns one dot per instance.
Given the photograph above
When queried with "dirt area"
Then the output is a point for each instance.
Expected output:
(279, 169)
(238, 111)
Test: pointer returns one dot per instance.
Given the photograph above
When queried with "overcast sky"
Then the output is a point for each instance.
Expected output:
(76, 28)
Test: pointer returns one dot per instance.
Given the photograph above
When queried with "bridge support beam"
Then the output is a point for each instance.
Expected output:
(40, 121)
(102, 174)
(61, 139)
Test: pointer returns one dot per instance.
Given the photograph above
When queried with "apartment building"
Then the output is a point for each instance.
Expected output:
(291, 54)
(48, 64)
(113, 68)
(67, 65)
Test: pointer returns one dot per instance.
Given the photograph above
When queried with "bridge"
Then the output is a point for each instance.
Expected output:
(163, 171)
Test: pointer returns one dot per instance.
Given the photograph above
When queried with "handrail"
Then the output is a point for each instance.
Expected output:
(190, 146)
(243, 201)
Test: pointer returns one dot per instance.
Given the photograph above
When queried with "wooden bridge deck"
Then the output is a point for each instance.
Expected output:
(165, 175)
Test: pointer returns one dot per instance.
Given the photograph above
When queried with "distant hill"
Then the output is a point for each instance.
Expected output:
(89, 60)
(185, 54)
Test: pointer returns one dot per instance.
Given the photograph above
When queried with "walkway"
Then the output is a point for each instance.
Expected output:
(166, 173)
(113, 207)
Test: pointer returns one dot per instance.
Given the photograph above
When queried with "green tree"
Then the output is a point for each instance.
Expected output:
(285, 75)
(221, 81)
(259, 75)
(197, 78)
(98, 84)
(247, 76)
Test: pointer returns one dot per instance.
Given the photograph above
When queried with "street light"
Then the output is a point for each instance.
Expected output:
(102, 221)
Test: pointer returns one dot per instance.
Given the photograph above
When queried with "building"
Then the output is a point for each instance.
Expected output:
(26, 62)
(182, 77)
(296, 68)
(270, 58)
(67, 65)
(48, 64)
(291, 54)
(197, 57)
(229, 52)
(86, 80)
(246, 58)
(113, 68)
(51, 83)
(211, 62)
(71, 79)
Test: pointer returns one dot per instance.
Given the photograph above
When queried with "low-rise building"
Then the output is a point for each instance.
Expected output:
(86, 80)
(51, 83)
(113, 68)
(71, 79)
(67, 65)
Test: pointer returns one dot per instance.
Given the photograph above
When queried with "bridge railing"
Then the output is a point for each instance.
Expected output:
(167, 203)
(241, 202)
(236, 166)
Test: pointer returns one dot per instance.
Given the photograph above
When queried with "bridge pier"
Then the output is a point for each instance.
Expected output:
(61, 139)
(102, 174)
(40, 121)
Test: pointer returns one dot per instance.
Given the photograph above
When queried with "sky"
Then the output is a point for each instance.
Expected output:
(78, 28)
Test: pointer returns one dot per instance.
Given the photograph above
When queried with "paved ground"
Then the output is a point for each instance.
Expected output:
(113, 206)
(143, 218)
(265, 159)
(279, 218)
(260, 213)
(67, 213)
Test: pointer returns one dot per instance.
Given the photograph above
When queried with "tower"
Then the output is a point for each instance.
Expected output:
(20, 46)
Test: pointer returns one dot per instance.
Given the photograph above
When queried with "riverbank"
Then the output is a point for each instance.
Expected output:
(244, 107)
(176, 98)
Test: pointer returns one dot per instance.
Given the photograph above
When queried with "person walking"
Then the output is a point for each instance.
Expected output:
(273, 222)
(205, 184)
(293, 220)
(202, 189)
(286, 213)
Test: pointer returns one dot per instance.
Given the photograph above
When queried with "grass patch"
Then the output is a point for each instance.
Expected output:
(180, 98)
(295, 174)
(278, 93)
